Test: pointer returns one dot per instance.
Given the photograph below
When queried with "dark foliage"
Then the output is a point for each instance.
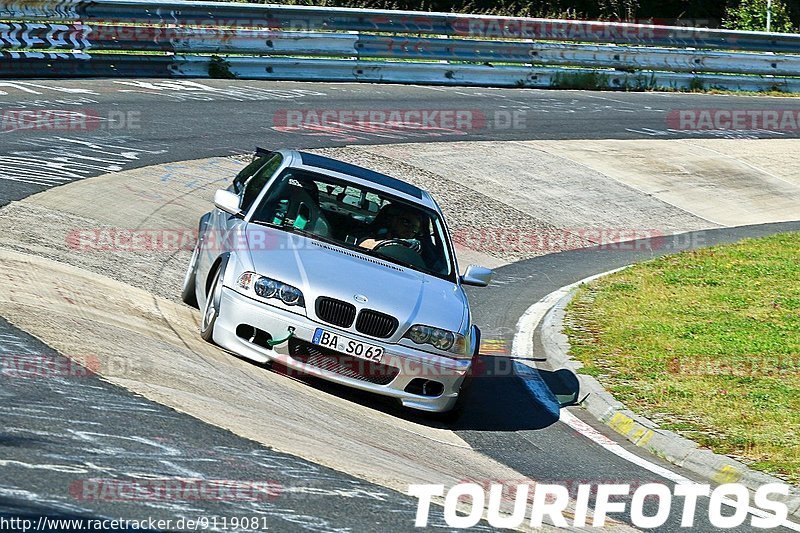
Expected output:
(689, 12)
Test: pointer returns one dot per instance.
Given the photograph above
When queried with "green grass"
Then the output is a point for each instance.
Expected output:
(707, 344)
(593, 81)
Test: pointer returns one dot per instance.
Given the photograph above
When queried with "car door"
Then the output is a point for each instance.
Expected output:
(215, 240)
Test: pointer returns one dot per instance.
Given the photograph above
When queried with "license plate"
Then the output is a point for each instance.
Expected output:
(348, 346)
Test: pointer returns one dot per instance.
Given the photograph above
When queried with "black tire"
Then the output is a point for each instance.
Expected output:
(455, 413)
(212, 306)
(188, 294)
(452, 416)
(466, 386)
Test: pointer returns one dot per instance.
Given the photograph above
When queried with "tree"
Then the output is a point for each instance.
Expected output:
(752, 15)
(618, 9)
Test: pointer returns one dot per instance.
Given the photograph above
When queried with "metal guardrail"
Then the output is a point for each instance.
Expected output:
(364, 46)
(307, 18)
(503, 51)
(33, 65)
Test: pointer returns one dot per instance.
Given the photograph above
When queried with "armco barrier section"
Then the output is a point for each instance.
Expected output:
(176, 39)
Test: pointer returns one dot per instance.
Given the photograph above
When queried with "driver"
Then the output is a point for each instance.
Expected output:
(402, 224)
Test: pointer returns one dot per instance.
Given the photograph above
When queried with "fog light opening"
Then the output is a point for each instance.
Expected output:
(425, 387)
(246, 332)
(432, 388)
(254, 335)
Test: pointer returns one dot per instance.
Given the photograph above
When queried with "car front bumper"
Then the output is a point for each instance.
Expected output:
(237, 310)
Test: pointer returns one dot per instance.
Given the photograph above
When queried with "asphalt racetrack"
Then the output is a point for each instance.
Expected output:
(61, 435)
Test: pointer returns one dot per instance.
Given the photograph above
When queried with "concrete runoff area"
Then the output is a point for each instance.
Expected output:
(669, 184)
(719, 181)
(123, 305)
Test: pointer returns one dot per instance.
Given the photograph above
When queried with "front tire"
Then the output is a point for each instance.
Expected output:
(212, 307)
(188, 294)
(453, 415)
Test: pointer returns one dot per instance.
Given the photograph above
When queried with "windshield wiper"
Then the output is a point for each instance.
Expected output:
(372, 253)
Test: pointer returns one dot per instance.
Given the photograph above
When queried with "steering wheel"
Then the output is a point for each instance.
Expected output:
(406, 243)
(401, 250)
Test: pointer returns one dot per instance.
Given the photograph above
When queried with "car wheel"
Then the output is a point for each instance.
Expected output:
(188, 294)
(453, 415)
(211, 309)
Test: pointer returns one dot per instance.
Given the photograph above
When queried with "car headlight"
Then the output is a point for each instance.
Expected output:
(441, 339)
(267, 288)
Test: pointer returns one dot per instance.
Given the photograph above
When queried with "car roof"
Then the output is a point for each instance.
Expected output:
(381, 181)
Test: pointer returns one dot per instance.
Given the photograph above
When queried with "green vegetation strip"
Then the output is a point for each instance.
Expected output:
(705, 343)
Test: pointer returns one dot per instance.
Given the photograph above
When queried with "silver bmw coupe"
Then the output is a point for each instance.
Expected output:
(338, 272)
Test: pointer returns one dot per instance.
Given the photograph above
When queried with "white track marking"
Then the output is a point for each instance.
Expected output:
(522, 347)
(16, 86)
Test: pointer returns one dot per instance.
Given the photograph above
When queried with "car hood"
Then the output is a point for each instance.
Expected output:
(321, 269)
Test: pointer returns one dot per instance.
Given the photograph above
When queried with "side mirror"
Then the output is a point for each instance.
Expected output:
(477, 276)
(227, 201)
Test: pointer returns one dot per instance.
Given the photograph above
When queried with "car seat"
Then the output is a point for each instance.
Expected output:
(304, 210)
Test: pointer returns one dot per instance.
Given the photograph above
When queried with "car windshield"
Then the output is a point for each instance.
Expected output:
(359, 218)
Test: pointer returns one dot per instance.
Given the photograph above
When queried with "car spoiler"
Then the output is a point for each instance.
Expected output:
(262, 152)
